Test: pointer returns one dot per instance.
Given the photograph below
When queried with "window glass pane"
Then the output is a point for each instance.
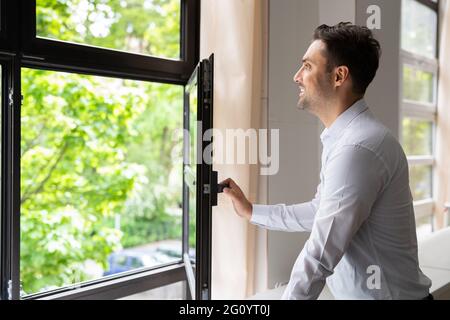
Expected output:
(193, 165)
(100, 190)
(420, 181)
(417, 137)
(150, 27)
(419, 28)
(174, 291)
(191, 160)
(418, 85)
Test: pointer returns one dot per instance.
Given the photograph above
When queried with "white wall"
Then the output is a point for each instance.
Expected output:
(383, 95)
(332, 12)
(291, 24)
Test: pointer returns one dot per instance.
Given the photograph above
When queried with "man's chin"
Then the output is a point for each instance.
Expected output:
(302, 104)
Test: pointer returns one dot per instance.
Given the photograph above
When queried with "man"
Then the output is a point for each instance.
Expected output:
(363, 236)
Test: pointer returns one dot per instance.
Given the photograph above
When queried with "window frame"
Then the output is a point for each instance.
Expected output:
(199, 277)
(9, 220)
(21, 49)
(117, 286)
(422, 111)
(8, 26)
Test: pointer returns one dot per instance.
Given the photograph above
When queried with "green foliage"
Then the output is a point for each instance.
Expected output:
(94, 149)
(417, 137)
(72, 174)
(150, 230)
(156, 202)
(417, 141)
(419, 28)
(420, 180)
(417, 85)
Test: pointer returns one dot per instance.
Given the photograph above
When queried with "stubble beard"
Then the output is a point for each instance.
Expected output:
(304, 103)
(315, 103)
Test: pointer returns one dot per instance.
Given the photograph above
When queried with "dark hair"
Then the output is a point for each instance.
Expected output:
(352, 46)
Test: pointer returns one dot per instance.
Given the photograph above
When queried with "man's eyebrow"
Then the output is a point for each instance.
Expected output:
(307, 60)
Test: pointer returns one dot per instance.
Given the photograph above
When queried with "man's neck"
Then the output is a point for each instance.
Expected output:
(334, 109)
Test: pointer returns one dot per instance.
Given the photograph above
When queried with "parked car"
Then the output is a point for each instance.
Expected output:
(145, 256)
(126, 260)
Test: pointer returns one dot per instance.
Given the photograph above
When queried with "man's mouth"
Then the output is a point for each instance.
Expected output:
(302, 91)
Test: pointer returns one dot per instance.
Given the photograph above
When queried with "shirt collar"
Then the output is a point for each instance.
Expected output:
(335, 130)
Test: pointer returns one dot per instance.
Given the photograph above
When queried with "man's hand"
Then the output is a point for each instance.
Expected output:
(241, 205)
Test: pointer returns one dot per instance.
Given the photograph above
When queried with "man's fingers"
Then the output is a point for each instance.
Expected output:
(233, 189)
(230, 192)
(232, 184)
(227, 181)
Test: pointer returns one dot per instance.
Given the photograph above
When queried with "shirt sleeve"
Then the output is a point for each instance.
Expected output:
(280, 217)
(353, 179)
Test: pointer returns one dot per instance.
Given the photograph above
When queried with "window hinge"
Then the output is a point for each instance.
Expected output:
(206, 189)
(11, 97)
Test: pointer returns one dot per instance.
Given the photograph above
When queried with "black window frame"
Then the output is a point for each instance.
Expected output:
(9, 220)
(8, 26)
(198, 270)
(20, 48)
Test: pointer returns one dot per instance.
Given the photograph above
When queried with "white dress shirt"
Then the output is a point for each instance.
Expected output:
(363, 236)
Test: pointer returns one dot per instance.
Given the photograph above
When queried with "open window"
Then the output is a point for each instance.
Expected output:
(92, 203)
(200, 181)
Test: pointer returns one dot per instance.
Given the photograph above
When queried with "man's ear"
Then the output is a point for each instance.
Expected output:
(341, 74)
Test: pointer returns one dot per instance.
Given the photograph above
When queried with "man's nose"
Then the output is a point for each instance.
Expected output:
(297, 76)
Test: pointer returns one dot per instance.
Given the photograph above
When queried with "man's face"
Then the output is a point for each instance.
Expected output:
(313, 79)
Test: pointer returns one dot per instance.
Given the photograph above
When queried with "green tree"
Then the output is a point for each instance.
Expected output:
(73, 173)
(417, 141)
(146, 217)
